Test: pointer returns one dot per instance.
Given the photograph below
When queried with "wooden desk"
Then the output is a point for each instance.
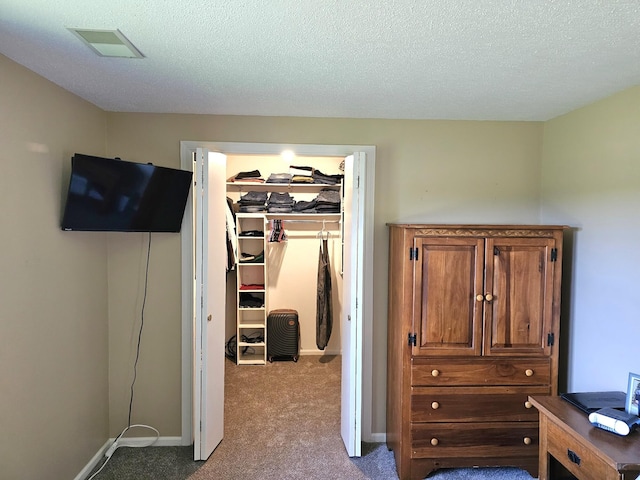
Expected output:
(588, 452)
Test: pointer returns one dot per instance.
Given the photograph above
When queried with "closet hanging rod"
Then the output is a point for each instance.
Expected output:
(305, 220)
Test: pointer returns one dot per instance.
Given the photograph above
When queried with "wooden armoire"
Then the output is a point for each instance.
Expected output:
(473, 327)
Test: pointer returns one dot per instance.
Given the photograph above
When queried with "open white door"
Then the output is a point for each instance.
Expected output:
(202, 393)
(209, 302)
(351, 333)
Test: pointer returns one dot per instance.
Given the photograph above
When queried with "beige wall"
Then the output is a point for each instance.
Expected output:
(591, 181)
(53, 286)
(426, 171)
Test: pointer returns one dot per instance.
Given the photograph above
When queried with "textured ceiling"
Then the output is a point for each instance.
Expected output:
(420, 59)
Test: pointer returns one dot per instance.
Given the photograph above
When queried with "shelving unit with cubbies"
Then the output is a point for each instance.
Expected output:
(251, 289)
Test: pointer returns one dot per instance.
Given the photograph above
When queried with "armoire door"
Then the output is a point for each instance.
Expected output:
(518, 296)
(447, 317)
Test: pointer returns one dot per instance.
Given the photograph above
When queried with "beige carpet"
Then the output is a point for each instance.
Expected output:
(282, 421)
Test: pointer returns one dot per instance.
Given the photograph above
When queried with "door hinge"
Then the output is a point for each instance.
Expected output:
(550, 339)
(554, 254)
(496, 251)
(412, 339)
(413, 253)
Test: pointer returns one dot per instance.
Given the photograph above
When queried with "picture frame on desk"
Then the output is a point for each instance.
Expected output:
(633, 394)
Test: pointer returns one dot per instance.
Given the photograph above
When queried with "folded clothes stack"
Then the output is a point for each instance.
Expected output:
(251, 176)
(301, 174)
(248, 300)
(280, 203)
(251, 233)
(303, 206)
(253, 202)
(319, 177)
(252, 286)
(279, 178)
(327, 201)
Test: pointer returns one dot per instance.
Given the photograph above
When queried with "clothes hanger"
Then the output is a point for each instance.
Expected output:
(322, 232)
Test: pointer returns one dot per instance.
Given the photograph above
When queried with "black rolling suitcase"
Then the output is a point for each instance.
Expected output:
(283, 335)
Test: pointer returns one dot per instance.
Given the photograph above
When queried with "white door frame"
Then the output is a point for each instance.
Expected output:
(234, 148)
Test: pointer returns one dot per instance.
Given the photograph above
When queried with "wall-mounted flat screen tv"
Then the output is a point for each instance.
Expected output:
(114, 195)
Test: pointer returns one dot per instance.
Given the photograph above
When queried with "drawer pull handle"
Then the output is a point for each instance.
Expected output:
(527, 441)
(528, 372)
(435, 373)
(479, 298)
(435, 405)
(488, 297)
(573, 456)
(434, 441)
(527, 404)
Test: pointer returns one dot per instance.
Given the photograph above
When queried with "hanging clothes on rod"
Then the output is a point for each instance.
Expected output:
(324, 314)
(231, 229)
(278, 233)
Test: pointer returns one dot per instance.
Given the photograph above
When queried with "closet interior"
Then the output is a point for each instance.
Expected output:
(278, 226)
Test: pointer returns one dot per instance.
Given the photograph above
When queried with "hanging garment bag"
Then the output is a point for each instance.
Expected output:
(324, 319)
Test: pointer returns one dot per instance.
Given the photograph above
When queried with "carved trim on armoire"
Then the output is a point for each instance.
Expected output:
(483, 232)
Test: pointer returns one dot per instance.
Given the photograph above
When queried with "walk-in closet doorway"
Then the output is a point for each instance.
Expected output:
(204, 289)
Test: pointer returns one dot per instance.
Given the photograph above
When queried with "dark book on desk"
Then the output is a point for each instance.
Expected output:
(589, 402)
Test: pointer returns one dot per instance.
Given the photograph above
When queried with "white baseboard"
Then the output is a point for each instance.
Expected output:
(84, 473)
(377, 438)
(149, 441)
(126, 442)
(315, 351)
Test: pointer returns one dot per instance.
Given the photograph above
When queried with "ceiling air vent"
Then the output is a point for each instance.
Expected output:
(107, 43)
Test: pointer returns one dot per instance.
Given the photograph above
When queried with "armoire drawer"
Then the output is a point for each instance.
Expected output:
(480, 371)
(465, 440)
(474, 404)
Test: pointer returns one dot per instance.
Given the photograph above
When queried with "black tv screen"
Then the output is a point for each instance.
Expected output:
(114, 195)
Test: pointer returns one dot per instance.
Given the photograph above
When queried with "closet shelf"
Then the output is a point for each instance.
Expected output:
(250, 325)
(279, 187)
(250, 344)
(251, 359)
(319, 217)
